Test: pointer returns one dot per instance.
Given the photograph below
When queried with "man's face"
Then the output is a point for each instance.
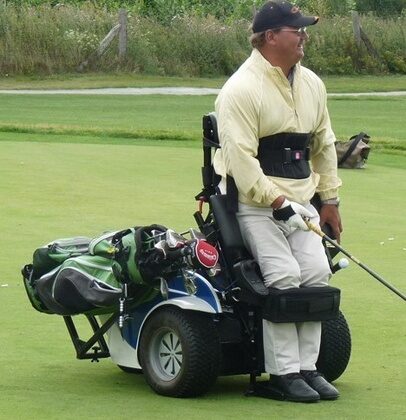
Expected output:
(289, 43)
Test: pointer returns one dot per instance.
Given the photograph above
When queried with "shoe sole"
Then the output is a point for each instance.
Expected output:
(304, 400)
(329, 398)
(266, 390)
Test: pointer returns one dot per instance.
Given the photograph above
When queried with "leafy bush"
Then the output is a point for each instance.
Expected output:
(46, 39)
(332, 48)
(387, 8)
(165, 10)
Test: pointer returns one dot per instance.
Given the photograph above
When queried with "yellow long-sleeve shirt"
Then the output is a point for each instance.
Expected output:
(258, 101)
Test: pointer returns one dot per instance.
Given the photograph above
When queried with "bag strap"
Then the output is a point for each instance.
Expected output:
(123, 254)
(353, 145)
(139, 236)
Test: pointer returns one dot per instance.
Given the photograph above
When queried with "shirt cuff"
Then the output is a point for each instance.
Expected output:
(327, 195)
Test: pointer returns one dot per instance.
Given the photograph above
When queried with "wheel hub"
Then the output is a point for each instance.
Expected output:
(168, 355)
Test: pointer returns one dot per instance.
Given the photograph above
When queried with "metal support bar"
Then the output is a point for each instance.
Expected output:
(82, 347)
(96, 327)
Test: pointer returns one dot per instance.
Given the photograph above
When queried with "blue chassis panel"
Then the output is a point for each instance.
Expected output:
(137, 317)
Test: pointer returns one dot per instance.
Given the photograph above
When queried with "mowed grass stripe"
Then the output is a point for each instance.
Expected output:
(179, 118)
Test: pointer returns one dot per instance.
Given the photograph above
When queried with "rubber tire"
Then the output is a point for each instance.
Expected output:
(335, 348)
(201, 352)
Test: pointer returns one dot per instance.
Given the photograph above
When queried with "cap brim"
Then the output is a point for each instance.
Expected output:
(304, 21)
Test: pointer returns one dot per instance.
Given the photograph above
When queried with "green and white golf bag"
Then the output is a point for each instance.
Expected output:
(83, 275)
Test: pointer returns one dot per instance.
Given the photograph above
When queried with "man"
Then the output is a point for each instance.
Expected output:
(273, 118)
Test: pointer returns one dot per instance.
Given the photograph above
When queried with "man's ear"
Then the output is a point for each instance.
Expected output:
(270, 37)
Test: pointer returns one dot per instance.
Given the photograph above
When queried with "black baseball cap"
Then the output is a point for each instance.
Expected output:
(275, 14)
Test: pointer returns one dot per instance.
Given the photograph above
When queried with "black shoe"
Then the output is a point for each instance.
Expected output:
(319, 383)
(294, 388)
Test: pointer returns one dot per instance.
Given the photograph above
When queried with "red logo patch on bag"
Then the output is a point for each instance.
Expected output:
(206, 254)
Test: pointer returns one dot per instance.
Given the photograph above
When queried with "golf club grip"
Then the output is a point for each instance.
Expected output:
(315, 229)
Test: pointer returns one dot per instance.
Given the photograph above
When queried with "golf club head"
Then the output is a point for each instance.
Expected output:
(173, 239)
(163, 288)
(196, 234)
(157, 235)
(162, 245)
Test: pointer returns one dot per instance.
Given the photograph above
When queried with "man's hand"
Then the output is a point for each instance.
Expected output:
(292, 214)
(329, 214)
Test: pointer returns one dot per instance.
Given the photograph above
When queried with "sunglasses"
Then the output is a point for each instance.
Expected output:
(299, 31)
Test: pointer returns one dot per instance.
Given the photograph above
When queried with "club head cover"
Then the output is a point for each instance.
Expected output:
(204, 255)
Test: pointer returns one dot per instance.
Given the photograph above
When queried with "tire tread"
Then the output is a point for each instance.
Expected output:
(201, 366)
(335, 349)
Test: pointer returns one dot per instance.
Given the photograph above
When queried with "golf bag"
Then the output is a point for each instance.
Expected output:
(82, 275)
(353, 154)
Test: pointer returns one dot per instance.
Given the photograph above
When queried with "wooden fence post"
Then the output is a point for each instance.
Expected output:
(122, 35)
(121, 30)
(360, 36)
(101, 49)
(356, 28)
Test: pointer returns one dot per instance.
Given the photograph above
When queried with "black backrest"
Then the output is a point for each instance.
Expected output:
(210, 144)
(210, 132)
(225, 221)
(228, 230)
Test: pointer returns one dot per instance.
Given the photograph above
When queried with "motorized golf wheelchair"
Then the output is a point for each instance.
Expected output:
(244, 284)
(197, 318)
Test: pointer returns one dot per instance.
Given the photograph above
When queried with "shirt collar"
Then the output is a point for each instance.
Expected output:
(267, 66)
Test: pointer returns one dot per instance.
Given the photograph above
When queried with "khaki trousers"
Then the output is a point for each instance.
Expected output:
(287, 258)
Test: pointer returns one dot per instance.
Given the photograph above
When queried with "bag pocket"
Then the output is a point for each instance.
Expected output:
(81, 284)
(50, 256)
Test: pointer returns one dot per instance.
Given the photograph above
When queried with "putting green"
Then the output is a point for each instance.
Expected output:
(51, 190)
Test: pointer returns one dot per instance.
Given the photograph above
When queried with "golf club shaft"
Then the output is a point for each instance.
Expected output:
(319, 232)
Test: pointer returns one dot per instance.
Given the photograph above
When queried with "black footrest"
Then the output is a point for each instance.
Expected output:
(248, 277)
(265, 390)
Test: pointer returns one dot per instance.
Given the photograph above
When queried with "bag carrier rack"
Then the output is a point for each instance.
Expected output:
(83, 348)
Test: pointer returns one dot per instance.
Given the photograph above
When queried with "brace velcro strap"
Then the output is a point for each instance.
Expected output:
(283, 214)
(284, 156)
(302, 304)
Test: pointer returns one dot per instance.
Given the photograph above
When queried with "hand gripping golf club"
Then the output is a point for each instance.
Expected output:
(319, 232)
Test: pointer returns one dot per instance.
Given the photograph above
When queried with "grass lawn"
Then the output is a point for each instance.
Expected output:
(62, 189)
(80, 165)
(179, 117)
